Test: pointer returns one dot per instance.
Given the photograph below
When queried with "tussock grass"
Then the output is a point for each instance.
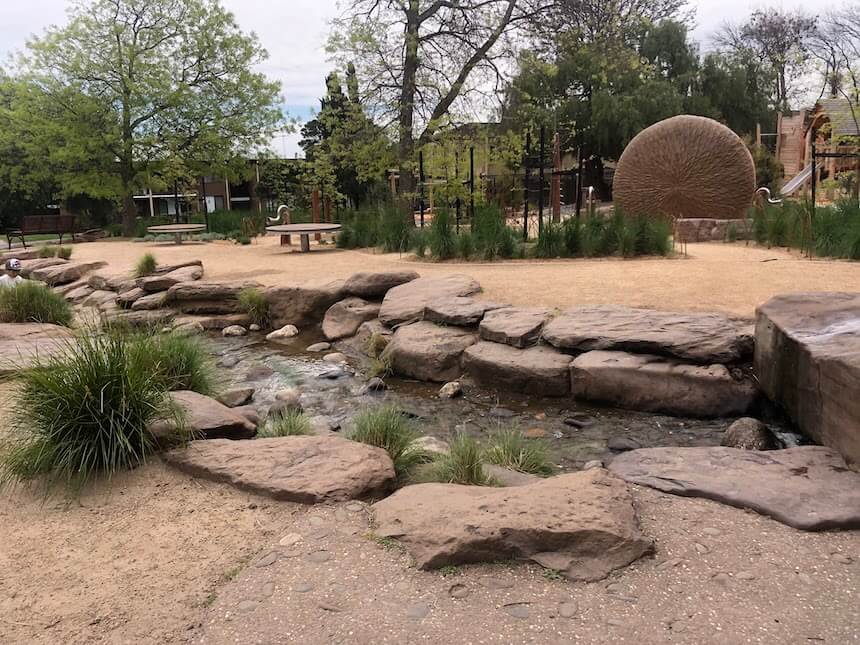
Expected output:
(510, 449)
(146, 265)
(386, 427)
(289, 423)
(462, 464)
(254, 303)
(176, 361)
(64, 252)
(32, 301)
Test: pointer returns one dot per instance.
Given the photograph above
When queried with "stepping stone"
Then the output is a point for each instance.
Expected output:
(516, 326)
(428, 352)
(807, 487)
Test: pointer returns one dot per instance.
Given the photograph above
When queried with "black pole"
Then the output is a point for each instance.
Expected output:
(541, 178)
(205, 205)
(814, 184)
(421, 186)
(579, 172)
(472, 184)
(178, 210)
(457, 183)
(526, 188)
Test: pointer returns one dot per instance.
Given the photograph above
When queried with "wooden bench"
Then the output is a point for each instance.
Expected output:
(42, 225)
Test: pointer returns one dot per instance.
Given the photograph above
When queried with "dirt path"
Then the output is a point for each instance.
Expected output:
(715, 277)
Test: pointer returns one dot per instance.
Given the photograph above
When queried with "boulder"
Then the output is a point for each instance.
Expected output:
(696, 337)
(807, 360)
(287, 331)
(98, 297)
(207, 418)
(461, 311)
(148, 302)
(431, 445)
(215, 322)
(316, 348)
(80, 294)
(156, 318)
(504, 477)
(428, 352)
(335, 357)
(233, 331)
(163, 282)
(99, 282)
(307, 470)
(406, 303)
(345, 317)
(302, 305)
(162, 269)
(655, 384)
(127, 298)
(451, 390)
(370, 333)
(749, 434)
(376, 285)
(121, 283)
(537, 370)
(28, 266)
(22, 343)
(66, 272)
(582, 524)
(207, 297)
(516, 326)
(236, 398)
(71, 286)
(807, 487)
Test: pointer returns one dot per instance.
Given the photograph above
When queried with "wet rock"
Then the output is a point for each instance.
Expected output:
(451, 390)
(333, 374)
(287, 331)
(258, 372)
(345, 317)
(431, 445)
(428, 352)
(654, 384)
(65, 273)
(622, 444)
(375, 384)
(749, 434)
(236, 398)
(461, 311)
(582, 524)
(506, 477)
(163, 282)
(318, 347)
(406, 303)
(254, 327)
(579, 420)
(696, 337)
(808, 361)
(808, 487)
(516, 326)
(537, 370)
(594, 463)
(376, 285)
(302, 305)
(206, 418)
(233, 331)
(291, 398)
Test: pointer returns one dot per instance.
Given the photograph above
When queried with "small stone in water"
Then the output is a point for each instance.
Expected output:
(318, 347)
(254, 327)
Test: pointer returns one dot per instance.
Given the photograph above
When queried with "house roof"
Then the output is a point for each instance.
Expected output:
(842, 119)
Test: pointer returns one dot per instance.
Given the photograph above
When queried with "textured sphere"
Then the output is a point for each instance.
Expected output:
(685, 167)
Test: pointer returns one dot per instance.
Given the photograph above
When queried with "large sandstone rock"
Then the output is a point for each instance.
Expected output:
(462, 311)
(655, 384)
(296, 469)
(371, 338)
(406, 303)
(23, 343)
(149, 302)
(207, 297)
(538, 370)
(807, 487)
(162, 269)
(808, 361)
(207, 418)
(699, 338)
(302, 305)
(127, 298)
(143, 319)
(516, 326)
(80, 294)
(376, 285)
(345, 317)
(66, 272)
(427, 352)
(214, 322)
(28, 266)
(582, 524)
(163, 282)
(98, 298)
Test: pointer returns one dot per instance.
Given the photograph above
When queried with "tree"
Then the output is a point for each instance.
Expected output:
(419, 60)
(128, 84)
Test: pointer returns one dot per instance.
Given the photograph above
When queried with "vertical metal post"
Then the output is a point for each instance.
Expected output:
(526, 187)
(579, 181)
(541, 178)
(421, 185)
(177, 215)
(205, 205)
(472, 185)
(458, 185)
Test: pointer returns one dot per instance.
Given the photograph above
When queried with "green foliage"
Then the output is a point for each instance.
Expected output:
(442, 238)
(833, 231)
(465, 245)
(551, 241)
(31, 301)
(379, 366)
(768, 170)
(492, 237)
(47, 251)
(146, 265)
(64, 252)
(388, 428)
(243, 239)
(510, 449)
(254, 303)
(732, 233)
(84, 412)
(462, 464)
(174, 361)
(289, 423)
(376, 344)
(394, 230)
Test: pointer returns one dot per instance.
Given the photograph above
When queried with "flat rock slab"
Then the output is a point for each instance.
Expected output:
(28, 266)
(149, 302)
(376, 285)
(406, 303)
(657, 384)
(695, 337)
(428, 352)
(302, 305)
(807, 487)
(515, 326)
(461, 311)
(200, 297)
(66, 272)
(808, 361)
(307, 470)
(208, 418)
(345, 317)
(582, 524)
(163, 282)
(537, 370)
(21, 344)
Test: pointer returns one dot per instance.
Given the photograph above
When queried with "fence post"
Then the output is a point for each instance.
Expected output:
(421, 186)
(579, 181)
(457, 183)
(526, 187)
(541, 178)
(471, 184)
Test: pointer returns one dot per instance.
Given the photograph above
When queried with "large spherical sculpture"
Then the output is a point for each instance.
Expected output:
(685, 167)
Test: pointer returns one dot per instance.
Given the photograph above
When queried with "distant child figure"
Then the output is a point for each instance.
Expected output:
(12, 277)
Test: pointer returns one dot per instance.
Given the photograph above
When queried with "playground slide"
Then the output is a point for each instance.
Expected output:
(797, 181)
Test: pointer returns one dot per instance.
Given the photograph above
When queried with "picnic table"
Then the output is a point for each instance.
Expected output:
(303, 231)
(176, 229)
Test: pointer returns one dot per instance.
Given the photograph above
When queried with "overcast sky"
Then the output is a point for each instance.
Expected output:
(294, 32)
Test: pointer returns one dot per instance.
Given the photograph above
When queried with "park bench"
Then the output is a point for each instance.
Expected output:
(41, 225)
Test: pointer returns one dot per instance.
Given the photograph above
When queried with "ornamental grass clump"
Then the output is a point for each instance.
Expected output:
(511, 450)
(31, 301)
(254, 303)
(85, 412)
(289, 423)
(175, 361)
(64, 252)
(145, 266)
(461, 465)
(388, 428)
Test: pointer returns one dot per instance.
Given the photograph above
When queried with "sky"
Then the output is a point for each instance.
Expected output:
(294, 32)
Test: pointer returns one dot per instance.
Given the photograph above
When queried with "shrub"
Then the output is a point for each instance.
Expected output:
(31, 301)
(443, 242)
(47, 251)
(571, 236)
(254, 303)
(462, 464)
(492, 237)
(175, 361)
(84, 412)
(394, 230)
(64, 252)
(289, 423)
(386, 427)
(242, 239)
(420, 242)
(380, 366)
(146, 265)
(465, 245)
(376, 344)
(550, 242)
(509, 448)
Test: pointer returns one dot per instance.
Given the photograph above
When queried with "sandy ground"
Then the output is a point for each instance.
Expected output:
(732, 278)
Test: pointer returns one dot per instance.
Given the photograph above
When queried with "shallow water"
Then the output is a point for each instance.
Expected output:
(330, 404)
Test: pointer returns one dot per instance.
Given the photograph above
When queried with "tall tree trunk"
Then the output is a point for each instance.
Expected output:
(406, 145)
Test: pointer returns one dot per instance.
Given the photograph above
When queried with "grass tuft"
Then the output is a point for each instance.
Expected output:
(146, 265)
(32, 301)
(510, 449)
(254, 303)
(289, 423)
(64, 252)
(386, 427)
(462, 464)
(176, 361)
